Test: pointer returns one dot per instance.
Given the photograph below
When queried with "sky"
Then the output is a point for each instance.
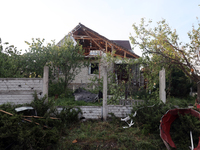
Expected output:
(22, 20)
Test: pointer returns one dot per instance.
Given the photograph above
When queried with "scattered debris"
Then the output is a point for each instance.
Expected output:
(83, 95)
(128, 118)
(192, 144)
(6, 112)
(23, 108)
(27, 110)
(74, 141)
(166, 122)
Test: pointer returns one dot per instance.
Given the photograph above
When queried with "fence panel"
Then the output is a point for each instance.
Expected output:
(19, 90)
(131, 102)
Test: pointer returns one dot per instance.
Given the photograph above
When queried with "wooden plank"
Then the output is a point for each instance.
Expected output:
(94, 40)
(6, 112)
(117, 46)
(40, 117)
(23, 119)
(106, 47)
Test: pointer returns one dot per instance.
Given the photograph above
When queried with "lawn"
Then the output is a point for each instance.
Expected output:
(96, 134)
(70, 101)
(69, 133)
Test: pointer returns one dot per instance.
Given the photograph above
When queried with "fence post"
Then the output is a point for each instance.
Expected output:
(162, 93)
(45, 82)
(105, 80)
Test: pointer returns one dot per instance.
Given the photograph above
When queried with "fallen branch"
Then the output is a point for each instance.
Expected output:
(23, 118)
(39, 117)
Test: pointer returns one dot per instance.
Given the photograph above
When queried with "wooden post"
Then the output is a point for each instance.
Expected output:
(45, 82)
(105, 80)
(112, 49)
(106, 47)
(162, 93)
(124, 54)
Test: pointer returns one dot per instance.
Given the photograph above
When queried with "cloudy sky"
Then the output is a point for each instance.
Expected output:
(22, 20)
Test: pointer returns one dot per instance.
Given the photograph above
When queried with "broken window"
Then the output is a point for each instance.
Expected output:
(94, 68)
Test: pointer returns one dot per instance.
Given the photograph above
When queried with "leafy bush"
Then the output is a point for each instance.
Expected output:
(16, 133)
(180, 131)
(56, 88)
(149, 115)
(148, 120)
(37, 133)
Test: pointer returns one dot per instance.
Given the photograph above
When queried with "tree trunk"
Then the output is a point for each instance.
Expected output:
(198, 92)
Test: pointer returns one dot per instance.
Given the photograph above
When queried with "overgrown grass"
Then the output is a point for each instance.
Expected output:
(91, 134)
(70, 101)
(95, 134)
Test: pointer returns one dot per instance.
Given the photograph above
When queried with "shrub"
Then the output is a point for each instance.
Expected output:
(148, 120)
(42, 133)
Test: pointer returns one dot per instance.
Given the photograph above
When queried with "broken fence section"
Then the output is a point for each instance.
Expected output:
(131, 102)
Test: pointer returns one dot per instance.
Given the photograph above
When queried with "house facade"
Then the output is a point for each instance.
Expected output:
(95, 45)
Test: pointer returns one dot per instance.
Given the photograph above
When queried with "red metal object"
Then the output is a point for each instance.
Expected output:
(198, 106)
(167, 120)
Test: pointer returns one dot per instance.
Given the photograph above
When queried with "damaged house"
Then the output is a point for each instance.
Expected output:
(95, 45)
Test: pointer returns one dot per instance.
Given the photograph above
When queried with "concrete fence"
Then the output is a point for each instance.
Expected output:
(21, 90)
(131, 102)
(96, 112)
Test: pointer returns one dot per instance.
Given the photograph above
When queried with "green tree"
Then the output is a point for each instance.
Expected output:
(10, 61)
(68, 59)
(36, 57)
(163, 41)
(181, 84)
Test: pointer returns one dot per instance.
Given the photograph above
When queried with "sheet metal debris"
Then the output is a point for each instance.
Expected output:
(83, 95)
(166, 122)
(23, 108)
(128, 118)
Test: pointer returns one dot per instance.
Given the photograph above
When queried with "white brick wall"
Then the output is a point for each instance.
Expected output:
(119, 111)
(95, 112)
(84, 76)
(19, 90)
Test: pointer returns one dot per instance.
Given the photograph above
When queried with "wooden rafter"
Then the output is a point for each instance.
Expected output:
(124, 54)
(93, 39)
(83, 37)
(106, 47)
(94, 36)
(116, 46)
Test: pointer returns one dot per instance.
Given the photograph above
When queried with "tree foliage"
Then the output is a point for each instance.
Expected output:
(36, 57)
(37, 133)
(10, 61)
(164, 42)
(67, 59)
(123, 77)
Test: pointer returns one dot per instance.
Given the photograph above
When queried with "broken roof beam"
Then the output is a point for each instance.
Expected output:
(93, 40)
(124, 54)
(83, 37)
(114, 45)
(106, 47)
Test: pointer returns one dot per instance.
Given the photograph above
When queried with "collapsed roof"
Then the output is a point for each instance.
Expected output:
(91, 40)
